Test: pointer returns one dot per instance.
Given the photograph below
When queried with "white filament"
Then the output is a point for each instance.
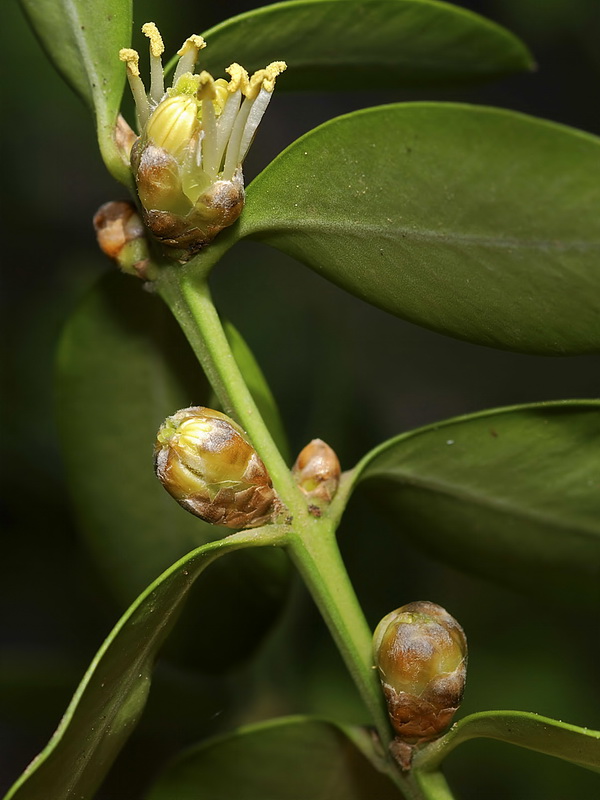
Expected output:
(138, 90)
(209, 145)
(254, 117)
(157, 80)
(186, 63)
(225, 124)
(232, 160)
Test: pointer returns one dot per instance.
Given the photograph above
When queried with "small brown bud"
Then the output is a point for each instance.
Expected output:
(206, 462)
(121, 236)
(421, 654)
(317, 471)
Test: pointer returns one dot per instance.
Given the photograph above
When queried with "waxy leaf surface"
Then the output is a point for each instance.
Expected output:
(83, 40)
(511, 494)
(112, 695)
(287, 759)
(363, 44)
(123, 367)
(559, 739)
(479, 223)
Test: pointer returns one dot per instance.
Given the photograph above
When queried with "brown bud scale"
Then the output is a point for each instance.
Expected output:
(421, 655)
(206, 462)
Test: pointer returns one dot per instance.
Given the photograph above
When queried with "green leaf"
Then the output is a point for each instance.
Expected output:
(293, 758)
(123, 367)
(362, 44)
(259, 388)
(511, 494)
(578, 745)
(479, 223)
(83, 40)
(113, 692)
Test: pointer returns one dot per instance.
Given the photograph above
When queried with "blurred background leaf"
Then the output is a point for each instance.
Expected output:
(123, 367)
(285, 759)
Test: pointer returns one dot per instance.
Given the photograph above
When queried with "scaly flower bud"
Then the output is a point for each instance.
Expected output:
(122, 237)
(206, 462)
(317, 471)
(193, 140)
(421, 654)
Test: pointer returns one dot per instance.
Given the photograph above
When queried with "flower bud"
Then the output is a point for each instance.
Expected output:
(194, 136)
(317, 471)
(206, 462)
(121, 236)
(421, 654)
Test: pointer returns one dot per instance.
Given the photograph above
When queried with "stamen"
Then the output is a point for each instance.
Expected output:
(138, 90)
(239, 78)
(189, 55)
(232, 161)
(254, 117)
(206, 86)
(258, 92)
(207, 93)
(265, 78)
(222, 93)
(225, 124)
(157, 48)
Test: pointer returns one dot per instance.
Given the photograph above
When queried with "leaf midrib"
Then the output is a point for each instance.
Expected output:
(349, 229)
(506, 507)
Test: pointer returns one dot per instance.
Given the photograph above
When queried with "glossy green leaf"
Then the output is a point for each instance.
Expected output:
(511, 494)
(293, 758)
(580, 746)
(83, 40)
(123, 367)
(259, 388)
(479, 223)
(354, 44)
(113, 692)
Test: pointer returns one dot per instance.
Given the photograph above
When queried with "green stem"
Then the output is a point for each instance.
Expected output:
(191, 303)
(311, 542)
(429, 785)
(315, 552)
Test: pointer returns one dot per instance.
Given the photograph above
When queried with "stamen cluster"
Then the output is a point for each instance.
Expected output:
(194, 137)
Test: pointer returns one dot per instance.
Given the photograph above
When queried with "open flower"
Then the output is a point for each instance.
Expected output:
(194, 137)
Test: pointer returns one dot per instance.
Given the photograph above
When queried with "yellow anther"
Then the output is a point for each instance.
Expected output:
(196, 42)
(265, 79)
(239, 78)
(157, 47)
(132, 59)
(272, 71)
(206, 87)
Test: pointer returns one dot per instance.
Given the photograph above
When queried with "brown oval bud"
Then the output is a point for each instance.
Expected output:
(121, 236)
(421, 654)
(317, 471)
(206, 462)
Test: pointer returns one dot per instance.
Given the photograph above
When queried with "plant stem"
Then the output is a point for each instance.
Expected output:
(315, 552)
(310, 542)
(191, 303)
(429, 785)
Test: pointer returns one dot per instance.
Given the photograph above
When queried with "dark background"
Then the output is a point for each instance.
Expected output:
(341, 370)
